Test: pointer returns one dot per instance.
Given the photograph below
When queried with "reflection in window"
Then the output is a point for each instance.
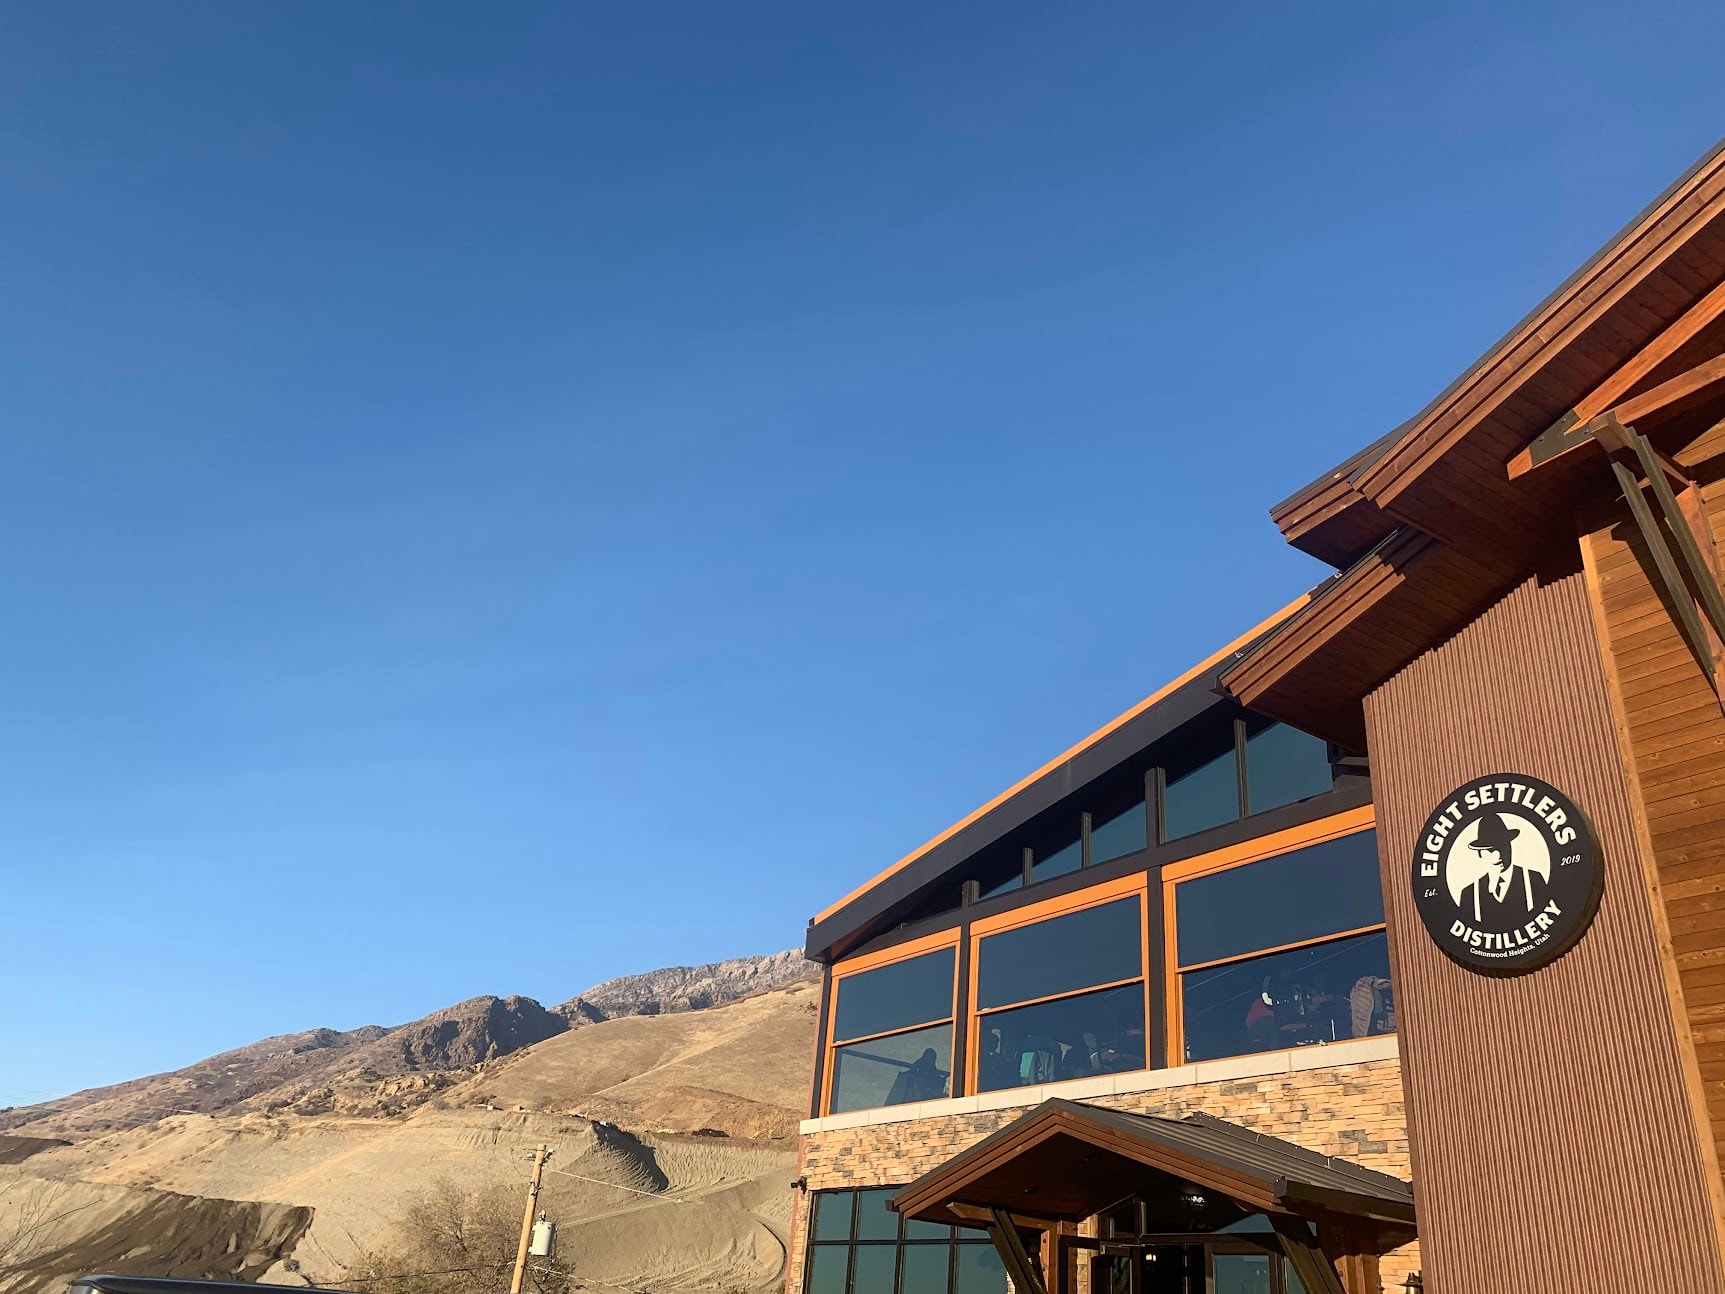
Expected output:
(1099, 945)
(892, 1033)
(1065, 854)
(874, 1252)
(1284, 764)
(1062, 998)
(1321, 993)
(1071, 1037)
(1323, 889)
(895, 1070)
(911, 992)
(1116, 836)
(1206, 797)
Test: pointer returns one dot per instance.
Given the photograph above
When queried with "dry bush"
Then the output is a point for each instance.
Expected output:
(29, 1213)
(451, 1240)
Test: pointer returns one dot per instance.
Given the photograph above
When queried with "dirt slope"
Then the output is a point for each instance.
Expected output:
(742, 1069)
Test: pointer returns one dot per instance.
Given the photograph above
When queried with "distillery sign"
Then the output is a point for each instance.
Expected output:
(1506, 873)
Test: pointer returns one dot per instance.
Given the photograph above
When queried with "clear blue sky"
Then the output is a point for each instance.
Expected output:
(497, 497)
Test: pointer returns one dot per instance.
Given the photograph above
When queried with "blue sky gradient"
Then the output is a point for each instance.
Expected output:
(498, 498)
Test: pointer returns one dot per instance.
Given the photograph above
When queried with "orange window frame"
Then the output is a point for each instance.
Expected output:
(1337, 826)
(874, 961)
(1034, 914)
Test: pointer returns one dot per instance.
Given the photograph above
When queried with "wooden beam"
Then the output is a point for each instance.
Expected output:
(1013, 1256)
(1315, 1271)
(1570, 433)
(1608, 393)
(985, 1217)
(1696, 381)
(1684, 606)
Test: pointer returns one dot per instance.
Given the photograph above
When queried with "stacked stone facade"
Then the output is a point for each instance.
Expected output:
(1350, 1110)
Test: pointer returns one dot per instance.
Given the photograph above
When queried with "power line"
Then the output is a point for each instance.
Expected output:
(652, 1195)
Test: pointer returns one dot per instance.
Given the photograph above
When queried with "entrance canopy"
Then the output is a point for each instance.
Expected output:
(1064, 1161)
(1194, 1179)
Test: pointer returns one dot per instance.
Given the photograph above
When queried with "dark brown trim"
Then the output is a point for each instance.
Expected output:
(958, 1084)
(1156, 956)
(820, 1066)
(1352, 790)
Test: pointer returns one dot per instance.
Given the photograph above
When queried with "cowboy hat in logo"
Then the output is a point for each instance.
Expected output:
(1506, 874)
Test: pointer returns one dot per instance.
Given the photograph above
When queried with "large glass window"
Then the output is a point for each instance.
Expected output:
(1114, 833)
(1062, 998)
(860, 1246)
(1286, 951)
(892, 1033)
(1202, 797)
(1284, 764)
(1320, 890)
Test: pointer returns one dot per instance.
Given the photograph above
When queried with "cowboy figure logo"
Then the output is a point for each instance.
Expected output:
(1506, 875)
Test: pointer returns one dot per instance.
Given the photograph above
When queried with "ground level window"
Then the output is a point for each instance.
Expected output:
(857, 1245)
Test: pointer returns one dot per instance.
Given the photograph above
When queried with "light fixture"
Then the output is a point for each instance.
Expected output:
(801, 1184)
(1413, 1284)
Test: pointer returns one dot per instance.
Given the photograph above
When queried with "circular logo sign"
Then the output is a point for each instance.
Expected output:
(1506, 873)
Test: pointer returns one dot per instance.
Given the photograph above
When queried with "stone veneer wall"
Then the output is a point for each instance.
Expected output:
(1353, 1111)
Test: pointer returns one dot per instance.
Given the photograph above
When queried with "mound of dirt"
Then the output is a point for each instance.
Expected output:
(70, 1228)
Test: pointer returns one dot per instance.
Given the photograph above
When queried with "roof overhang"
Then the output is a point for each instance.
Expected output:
(1479, 491)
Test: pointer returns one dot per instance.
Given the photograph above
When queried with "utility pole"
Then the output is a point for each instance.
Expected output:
(539, 1158)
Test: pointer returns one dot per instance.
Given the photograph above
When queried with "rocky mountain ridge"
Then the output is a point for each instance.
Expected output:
(376, 1070)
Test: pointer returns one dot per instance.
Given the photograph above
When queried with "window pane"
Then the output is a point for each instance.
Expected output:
(913, 991)
(1057, 857)
(1206, 797)
(1324, 993)
(905, 1067)
(914, 1230)
(1122, 834)
(833, 1215)
(978, 1271)
(827, 1269)
(1095, 946)
(1008, 881)
(1284, 764)
(1073, 1037)
(873, 1270)
(1242, 1274)
(925, 1269)
(1312, 892)
(1291, 1279)
(874, 1220)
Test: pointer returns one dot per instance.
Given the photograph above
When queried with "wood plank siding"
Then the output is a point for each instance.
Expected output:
(1570, 1078)
(1674, 732)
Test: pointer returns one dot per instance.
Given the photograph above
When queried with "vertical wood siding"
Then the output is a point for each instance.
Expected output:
(1554, 1144)
(1676, 737)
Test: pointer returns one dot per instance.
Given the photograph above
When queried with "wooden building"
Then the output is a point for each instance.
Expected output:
(1386, 946)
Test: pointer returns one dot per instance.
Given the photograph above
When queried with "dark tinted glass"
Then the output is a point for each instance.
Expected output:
(1284, 764)
(833, 1215)
(1324, 993)
(1057, 857)
(1206, 797)
(872, 1270)
(925, 1269)
(874, 1220)
(1073, 1037)
(1119, 835)
(977, 1270)
(827, 1269)
(905, 993)
(914, 1230)
(895, 1070)
(1096, 946)
(1007, 881)
(1312, 892)
(1241, 1274)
